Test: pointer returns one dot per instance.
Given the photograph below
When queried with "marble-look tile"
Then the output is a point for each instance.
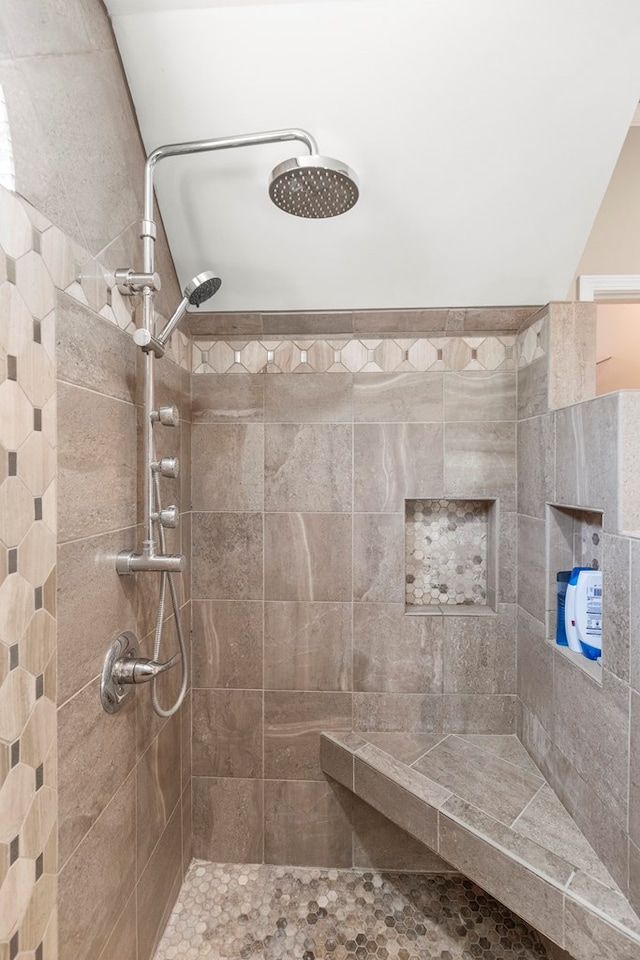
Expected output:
(404, 747)
(158, 887)
(507, 746)
(531, 566)
(227, 643)
(406, 712)
(336, 755)
(290, 398)
(122, 942)
(540, 858)
(216, 398)
(378, 557)
(227, 820)
(308, 467)
(629, 452)
(572, 373)
(535, 668)
(532, 389)
(227, 733)
(479, 654)
(90, 898)
(480, 461)
(634, 615)
(307, 556)
(227, 466)
(547, 823)
(292, 725)
(85, 787)
(307, 646)
(479, 395)
(292, 836)
(409, 800)
(581, 705)
(634, 876)
(634, 767)
(97, 458)
(395, 461)
(616, 563)
(503, 877)
(157, 789)
(506, 549)
(536, 465)
(65, 91)
(586, 466)
(593, 817)
(479, 713)
(379, 844)
(403, 915)
(93, 353)
(586, 935)
(93, 604)
(481, 778)
(394, 653)
(227, 556)
(403, 397)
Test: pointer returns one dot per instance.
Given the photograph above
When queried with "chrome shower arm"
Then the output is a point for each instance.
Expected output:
(204, 146)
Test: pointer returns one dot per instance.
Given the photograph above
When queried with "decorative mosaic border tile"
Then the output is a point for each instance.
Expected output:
(28, 834)
(532, 342)
(355, 355)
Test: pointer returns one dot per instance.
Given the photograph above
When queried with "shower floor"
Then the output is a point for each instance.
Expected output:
(230, 911)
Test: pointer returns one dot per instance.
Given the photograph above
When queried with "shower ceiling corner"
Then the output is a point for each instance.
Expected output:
(484, 136)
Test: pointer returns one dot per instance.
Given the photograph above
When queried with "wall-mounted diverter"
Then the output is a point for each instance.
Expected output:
(313, 187)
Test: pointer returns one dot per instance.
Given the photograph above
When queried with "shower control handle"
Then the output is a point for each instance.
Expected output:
(168, 517)
(167, 467)
(167, 414)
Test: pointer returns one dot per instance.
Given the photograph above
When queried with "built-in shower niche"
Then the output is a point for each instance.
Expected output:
(450, 556)
(574, 540)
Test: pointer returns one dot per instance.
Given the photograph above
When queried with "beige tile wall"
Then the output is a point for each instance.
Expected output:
(78, 161)
(124, 776)
(583, 734)
(298, 495)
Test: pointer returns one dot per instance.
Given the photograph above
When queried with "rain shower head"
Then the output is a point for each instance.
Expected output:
(314, 187)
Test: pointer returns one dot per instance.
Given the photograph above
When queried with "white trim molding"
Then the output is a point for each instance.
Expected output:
(609, 286)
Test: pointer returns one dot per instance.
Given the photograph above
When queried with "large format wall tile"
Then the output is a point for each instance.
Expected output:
(395, 653)
(97, 463)
(227, 643)
(293, 722)
(227, 467)
(475, 395)
(480, 461)
(227, 738)
(228, 820)
(289, 398)
(379, 557)
(378, 398)
(307, 646)
(479, 653)
(227, 556)
(292, 837)
(393, 462)
(307, 556)
(307, 467)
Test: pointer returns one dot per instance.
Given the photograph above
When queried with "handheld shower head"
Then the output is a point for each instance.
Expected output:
(314, 187)
(202, 288)
(197, 291)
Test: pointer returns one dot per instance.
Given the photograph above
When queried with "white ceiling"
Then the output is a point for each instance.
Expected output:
(483, 133)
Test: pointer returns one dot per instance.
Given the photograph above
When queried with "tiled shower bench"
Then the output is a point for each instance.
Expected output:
(482, 805)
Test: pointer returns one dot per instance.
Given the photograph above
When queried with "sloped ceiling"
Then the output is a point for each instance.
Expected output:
(483, 132)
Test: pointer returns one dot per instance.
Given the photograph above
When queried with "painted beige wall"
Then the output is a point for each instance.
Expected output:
(614, 243)
(618, 347)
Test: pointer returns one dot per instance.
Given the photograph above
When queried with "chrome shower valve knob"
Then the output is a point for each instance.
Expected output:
(167, 467)
(168, 517)
(168, 415)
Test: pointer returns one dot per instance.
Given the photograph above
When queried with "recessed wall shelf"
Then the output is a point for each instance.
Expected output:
(450, 562)
(574, 540)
